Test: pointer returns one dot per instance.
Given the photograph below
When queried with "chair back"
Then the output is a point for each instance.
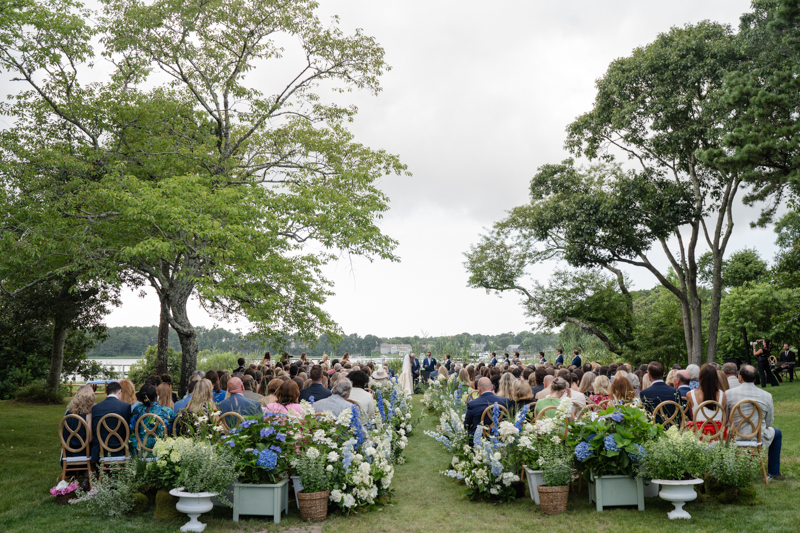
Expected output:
(541, 414)
(503, 414)
(230, 420)
(704, 420)
(473, 395)
(755, 425)
(590, 408)
(772, 360)
(83, 440)
(180, 426)
(104, 426)
(149, 431)
(672, 420)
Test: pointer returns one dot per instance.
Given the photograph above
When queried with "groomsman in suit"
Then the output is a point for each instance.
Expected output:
(542, 359)
(493, 362)
(658, 391)
(506, 360)
(559, 356)
(576, 359)
(428, 366)
(448, 362)
(113, 404)
(476, 407)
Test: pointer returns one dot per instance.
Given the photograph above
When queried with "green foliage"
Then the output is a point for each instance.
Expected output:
(312, 473)
(204, 468)
(146, 366)
(556, 461)
(140, 503)
(40, 392)
(659, 329)
(676, 455)
(132, 341)
(224, 360)
(113, 497)
(733, 466)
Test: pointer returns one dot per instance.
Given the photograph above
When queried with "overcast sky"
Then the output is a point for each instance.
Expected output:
(478, 97)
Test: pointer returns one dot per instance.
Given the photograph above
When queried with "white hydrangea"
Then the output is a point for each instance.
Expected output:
(336, 496)
(349, 500)
(329, 468)
(312, 453)
(333, 457)
(506, 429)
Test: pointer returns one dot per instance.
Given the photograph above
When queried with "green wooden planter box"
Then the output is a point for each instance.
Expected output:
(609, 491)
(261, 500)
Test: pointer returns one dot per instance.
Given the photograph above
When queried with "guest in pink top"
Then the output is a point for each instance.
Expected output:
(287, 397)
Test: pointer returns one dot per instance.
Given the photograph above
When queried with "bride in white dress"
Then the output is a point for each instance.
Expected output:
(406, 379)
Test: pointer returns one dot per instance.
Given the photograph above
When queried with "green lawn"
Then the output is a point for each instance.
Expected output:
(424, 500)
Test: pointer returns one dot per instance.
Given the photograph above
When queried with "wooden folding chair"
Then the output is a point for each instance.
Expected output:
(473, 395)
(109, 459)
(748, 440)
(588, 410)
(488, 411)
(141, 441)
(703, 420)
(227, 425)
(660, 411)
(181, 426)
(78, 463)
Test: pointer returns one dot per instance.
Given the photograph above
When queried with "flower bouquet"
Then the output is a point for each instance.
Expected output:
(64, 491)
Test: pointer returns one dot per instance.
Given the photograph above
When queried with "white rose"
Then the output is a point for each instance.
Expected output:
(329, 468)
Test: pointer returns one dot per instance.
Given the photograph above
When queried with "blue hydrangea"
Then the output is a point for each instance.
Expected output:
(267, 459)
(617, 416)
(636, 456)
(281, 437)
(610, 443)
(266, 432)
(276, 449)
(231, 443)
(582, 451)
(591, 437)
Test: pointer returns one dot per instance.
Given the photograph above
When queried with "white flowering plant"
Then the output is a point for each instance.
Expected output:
(535, 437)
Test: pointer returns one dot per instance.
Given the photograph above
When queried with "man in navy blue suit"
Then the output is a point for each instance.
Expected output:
(506, 360)
(576, 359)
(658, 391)
(476, 407)
(237, 403)
(428, 366)
(448, 362)
(414, 369)
(542, 359)
(113, 404)
(493, 362)
(316, 389)
(559, 356)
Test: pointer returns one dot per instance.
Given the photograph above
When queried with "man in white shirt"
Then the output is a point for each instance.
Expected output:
(362, 397)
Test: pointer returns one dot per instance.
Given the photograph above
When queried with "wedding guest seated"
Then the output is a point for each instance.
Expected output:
(682, 379)
(337, 401)
(545, 391)
(723, 380)
(359, 394)
(771, 437)
(441, 374)
(538, 376)
(166, 378)
(577, 396)
(558, 388)
(219, 394)
(181, 404)
(236, 402)
(634, 379)
(128, 394)
(317, 390)
(522, 395)
(731, 374)
(80, 405)
(476, 407)
(113, 404)
(622, 390)
(694, 375)
(148, 396)
(202, 400)
(658, 391)
(249, 384)
(708, 390)
(164, 392)
(670, 379)
(286, 398)
(601, 387)
(380, 376)
(505, 385)
(585, 386)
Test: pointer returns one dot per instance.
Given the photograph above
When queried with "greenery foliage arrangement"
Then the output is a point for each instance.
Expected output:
(312, 471)
(675, 455)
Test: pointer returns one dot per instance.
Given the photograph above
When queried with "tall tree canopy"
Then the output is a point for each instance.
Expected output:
(181, 170)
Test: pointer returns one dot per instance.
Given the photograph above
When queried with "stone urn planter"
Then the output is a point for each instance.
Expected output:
(193, 504)
(679, 492)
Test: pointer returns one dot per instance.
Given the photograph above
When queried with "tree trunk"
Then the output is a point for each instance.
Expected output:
(163, 339)
(713, 312)
(57, 357)
(180, 291)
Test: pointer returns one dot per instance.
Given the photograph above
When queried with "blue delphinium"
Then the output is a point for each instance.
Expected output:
(392, 402)
(355, 424)
(582, 451)
(267, 459)
(311, 400)
(444, 441)
(495, 420)
(476, 440)
(347, 454)
(266, 432)
(521, 417)
(381, 409)
(610, 443)
(617, 416)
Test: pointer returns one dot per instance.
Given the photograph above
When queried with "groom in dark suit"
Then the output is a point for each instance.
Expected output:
(658, 391)
(111, 405)
(414, 370)
(476, 407)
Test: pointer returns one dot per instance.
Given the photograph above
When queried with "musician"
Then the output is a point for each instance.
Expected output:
(762, 349)
(784, 359)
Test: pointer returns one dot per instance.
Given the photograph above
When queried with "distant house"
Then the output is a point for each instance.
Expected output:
(395, 349)
(511, 348)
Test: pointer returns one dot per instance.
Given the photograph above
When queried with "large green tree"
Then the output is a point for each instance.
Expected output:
(191, 176)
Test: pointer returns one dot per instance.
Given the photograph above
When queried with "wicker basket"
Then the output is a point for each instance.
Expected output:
(553, 500)
(313, 506)
(62, 499)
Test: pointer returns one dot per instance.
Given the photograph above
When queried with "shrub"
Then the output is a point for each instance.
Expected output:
(207, 360)
(146, 366)
(677, 455)
(732, 466)
(311, 469)
(39, 392)
(114, 496)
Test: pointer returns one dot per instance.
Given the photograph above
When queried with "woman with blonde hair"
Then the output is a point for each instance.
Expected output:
(586, 384)
(463, 377)
(81, 405)
(202, 400)
(164, 392)
(601, 386)
(522, 394)
(505, 387)
(443, 374)
(645, 382)
(324, 359)
(270, 390)
(670, 379)
(128, 392)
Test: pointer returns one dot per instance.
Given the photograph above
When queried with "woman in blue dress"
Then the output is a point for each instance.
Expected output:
(149, 405)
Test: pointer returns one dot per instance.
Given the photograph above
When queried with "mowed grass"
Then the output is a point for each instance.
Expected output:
(424, 500)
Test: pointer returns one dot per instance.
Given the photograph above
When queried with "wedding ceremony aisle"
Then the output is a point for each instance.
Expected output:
(424, 500)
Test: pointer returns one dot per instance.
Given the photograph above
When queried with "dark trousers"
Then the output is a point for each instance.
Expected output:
(425, 375)
(765, 374)
(774, 454)
(789, 369)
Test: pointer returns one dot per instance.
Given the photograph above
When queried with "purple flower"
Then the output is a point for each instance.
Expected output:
(231, 443)
(266, 432)
(276, 449)
(617, 416)
(281, 437)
